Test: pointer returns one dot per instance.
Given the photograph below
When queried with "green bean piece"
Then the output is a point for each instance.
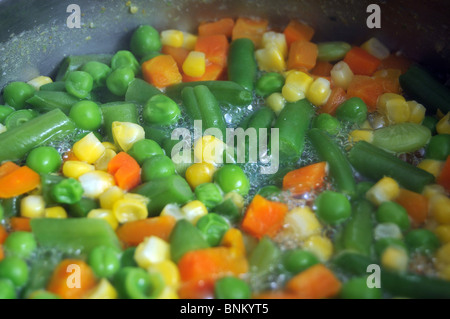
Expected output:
(269, 83)
(228, 210)
(356, 288)
(145, 40)
(99, 72)
(58, 86)
(45, 101)
(161, 110)
(125, 59)
(75, 62)
(18, 118)
(17, 93)
(332, 51)
(422, 241)
(140, 91)
(127, 259)
(209, 194)
(157, 166)
(392, 212)
(144, 149)
(264, 258)
(185, 237)
(118, 111)
(353, 110)
(79, 84)
(327, 123)
(242, 65)
(430, 122)
(82, 207)
(11, 206)
(439, 147)
(158, 133)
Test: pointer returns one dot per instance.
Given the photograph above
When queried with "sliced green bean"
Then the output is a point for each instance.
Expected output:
(75, 62)
(242, 65)
(45, 101)
(118, 111)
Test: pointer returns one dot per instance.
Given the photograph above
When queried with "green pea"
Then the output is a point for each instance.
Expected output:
(439, 147)
(160, 109)
(137, 283)
(44, 159)
(209, 194)
(231, 177)
(125, 59)
(231, 288)
(157, 166)
(269, 83)
(297, 260)
(15, 269)
(430, 122)
(144, 149)
(119, 79)
(332, 207)
(20, 243)
(327, 123)
(422, 241)
(5, 110)
(144, 40)
(353, 110)
(392, 212)
(15, 94)
(104, 261)
(213, 227)
(79, 84)
(7, 289)
(357, 288)
(68, 191)
(383, 243)
(99, 72)
(127, 259)
(86, 115)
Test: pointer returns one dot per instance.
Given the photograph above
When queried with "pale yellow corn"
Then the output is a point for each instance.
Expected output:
(32, 206)
(151, 250)
(341, 75)
(443, 126)
(39, 81)
(236, 198)
(440, 209)
(102, 163)
(292, 92)
(431, 166)
(96, 182)
(319, 245)
(110, 146)
(199, 173)
(110, 196)
(360, 135)
(193, 211)
(75, 169)
(416, 112)
(2, 128)
(276, 39)
(172, 210)
(168, 271)
(395, 258)
(55, 212)
(376, 48)
(195, 64)
(319, 91)
(301, 79)
(129, 209)
(443, 233)
(103, 290)
(174, 38)
(276, 102)
(394, 107)
(366, 125)
(168, 293)
(429, 191)
(88, 149)
(301, 223)
(209, 149)
(125, 134)
(105, 214)
(189, 41)
(386, 189)
(270, 59)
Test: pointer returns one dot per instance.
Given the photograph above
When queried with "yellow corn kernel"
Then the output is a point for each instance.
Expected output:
(301, 222)
(341, 75)
(376, 48)
(110, 196)
(95, 183)
(193, 210)
(194, 64)
(209, 149)
(168, 271)
(88, 149)
(75, 169)
(443, 233)
(416, 112)
(151, 251)
(172, 210)
(39, 81)
(174, 38)
(440, 209)
(55, 212)
(319, 91)
(395, 258)
(129, 209)
(276, 102)
(301, 79)
(125, 134)
(429, 191)
(292, 92)
(366, 125)
(270, 59)
(110, 146)
(386, 189)
(189, 41)
(361, 135)
(105, 214)
(168, 293)
(32, 206)
(236, 198)
(443, 126)
(319, 245)
(199, 173)
(431, 166)
(394, 107)
(102, 163)
(275, 39)
(103, 290)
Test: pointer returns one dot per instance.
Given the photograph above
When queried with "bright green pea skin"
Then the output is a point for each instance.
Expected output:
(231, 177)
(7, 289)
(79, 84)
(297, 260)
(392, 212)
(327, 123)
(136, 283)
(209, 194)
(144, 149)
(357, 288)
(125, 59)
(333, 208)
(68, 191)
(104, 261)
(269, 83)
(145, 40)
(157, 166)
(86, 115)
(15, 269)
(15, 94)
(44, 160)
(353, 110)
(213, 227)
(332, 51)
(99, 72)
(439, 147)
(231, 288)
(422, 241)
(119, 79)
(20, 243)
(5, 110)
(160, 109)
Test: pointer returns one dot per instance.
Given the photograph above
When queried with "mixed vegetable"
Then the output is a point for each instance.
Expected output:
(94, 204)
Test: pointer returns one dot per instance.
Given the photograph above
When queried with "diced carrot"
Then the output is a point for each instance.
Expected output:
(134, 232)
(203, 289)
(126, 171)
(3, 234)
(275, 295)
(69, 156)
(179, 54)
(305, 179)
(415, 204)
(337, 97)
(444, 177)
(394, 61)
(18, 182)
(302, 54)
(2, 253)
(322, 68)
(8, 167)
(223, 26)
(296, 31)
(361, 62)
(71, 279)
(161, 71)
(233, 239)
(316, 282)
(264, 217)
(20, 223)
(250, 28)
(215, 48)
(366, 88)
(390, 79)
(212, 72)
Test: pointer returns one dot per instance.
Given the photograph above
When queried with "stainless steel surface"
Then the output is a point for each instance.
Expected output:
(34, 36)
